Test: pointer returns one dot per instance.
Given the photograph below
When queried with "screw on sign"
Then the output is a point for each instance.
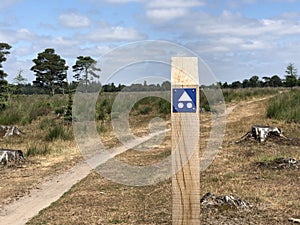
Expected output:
(184, 100)
(185, 141)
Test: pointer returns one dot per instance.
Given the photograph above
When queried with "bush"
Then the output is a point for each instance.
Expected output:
(36, 110)
(146, 110)
(103, 109)
(60, 110)
(101, 128)
(10, 117)
(164, 106)
(57, 132)
(68, 115)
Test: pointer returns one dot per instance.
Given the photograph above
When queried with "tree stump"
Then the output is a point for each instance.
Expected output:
(7, 131)
(260, 133)
(11, 155)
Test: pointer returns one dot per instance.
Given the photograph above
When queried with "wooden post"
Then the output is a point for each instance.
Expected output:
(185, 141)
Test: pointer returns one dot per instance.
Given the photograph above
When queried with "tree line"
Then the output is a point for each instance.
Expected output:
(291, 79)
(50, 71)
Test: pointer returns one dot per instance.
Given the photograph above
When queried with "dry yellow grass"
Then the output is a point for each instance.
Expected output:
(97, 200)
(274, 193)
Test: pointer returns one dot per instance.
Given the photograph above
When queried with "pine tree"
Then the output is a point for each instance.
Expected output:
(4, 51)
(85, 70)
(291, 75)
(50, 70)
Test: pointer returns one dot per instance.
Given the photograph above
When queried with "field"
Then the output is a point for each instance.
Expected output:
(242, 170)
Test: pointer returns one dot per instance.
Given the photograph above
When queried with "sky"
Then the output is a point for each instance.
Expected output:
(235, 38)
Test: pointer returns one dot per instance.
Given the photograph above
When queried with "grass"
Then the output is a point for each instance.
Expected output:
(38, 150)
(231, 95)
(270, 158)
(209, 98)
(58, 132)
(115, 221)
(285, 106)
(96, 200)
(22, 110)
(99, 201)
(46, 123)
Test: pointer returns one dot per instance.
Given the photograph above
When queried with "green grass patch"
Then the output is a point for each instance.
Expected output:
(271, 158)
(58, 132)
(37, 149)
(145, 110)
(22, 109)
(285, 106)
(46, 123)
(231, 95)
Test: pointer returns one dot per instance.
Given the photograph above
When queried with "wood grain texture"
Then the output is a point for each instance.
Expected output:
(184, 71)
(185, 148)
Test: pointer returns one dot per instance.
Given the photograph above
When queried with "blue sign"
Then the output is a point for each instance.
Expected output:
(184, 100)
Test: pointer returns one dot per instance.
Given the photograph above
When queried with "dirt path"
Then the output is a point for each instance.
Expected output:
(20, 211)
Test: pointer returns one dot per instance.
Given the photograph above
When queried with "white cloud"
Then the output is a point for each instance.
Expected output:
(235, 25)
(13, 36)
(24, 34)
(58, 41)
(163, 11)
(113, 33)
(74, 20)
(166, 14)
(254, 45)
(175, 3)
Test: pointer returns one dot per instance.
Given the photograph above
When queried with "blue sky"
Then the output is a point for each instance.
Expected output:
(236, 38)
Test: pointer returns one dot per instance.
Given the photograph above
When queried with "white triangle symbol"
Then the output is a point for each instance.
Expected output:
(185, 97)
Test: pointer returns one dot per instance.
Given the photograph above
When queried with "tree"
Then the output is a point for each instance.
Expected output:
(4, 51)
(290, 81)
(275, 81)
(254, 81)
(225, 85)
(246, 83)
(266, 81)
(291, 75)
(50, 70)
(68, 114)
(291, 70)
(166, 86)
(236, 84)
(19, 79)
(85, 69)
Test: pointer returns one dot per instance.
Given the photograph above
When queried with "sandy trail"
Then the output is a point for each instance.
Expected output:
(21, 210)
